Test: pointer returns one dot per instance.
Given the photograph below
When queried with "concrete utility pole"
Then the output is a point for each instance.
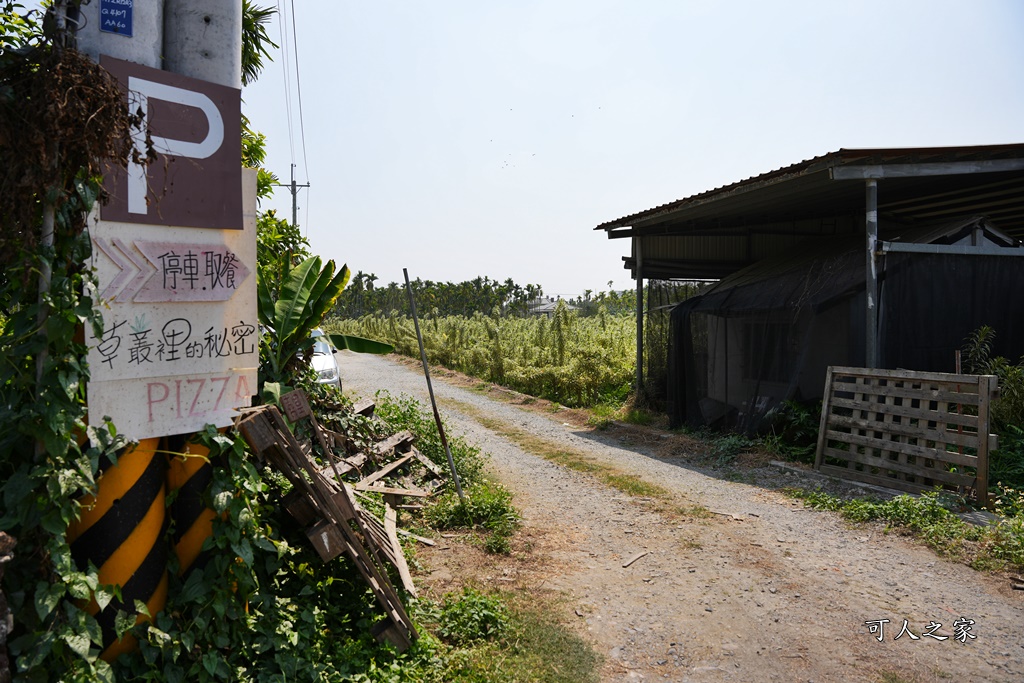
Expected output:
(293, 187)
(142, 41)
(202, 40)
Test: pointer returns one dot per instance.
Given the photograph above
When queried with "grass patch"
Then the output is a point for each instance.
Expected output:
(488, 638)
(695, 512)
(638, 416)
(577, 461)
(928, 517)
(635, 486)
(487, 507)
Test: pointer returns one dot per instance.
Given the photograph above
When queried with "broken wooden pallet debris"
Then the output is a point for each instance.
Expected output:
(364, 406)
(268, 434)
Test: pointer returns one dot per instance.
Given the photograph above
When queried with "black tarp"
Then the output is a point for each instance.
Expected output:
(792, 316)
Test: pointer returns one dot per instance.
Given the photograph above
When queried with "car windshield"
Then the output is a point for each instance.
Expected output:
(321, 348)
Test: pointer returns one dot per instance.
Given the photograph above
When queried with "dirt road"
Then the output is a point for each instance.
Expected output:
(761, 589)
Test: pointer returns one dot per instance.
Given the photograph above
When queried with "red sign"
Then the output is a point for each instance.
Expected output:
(195, 129)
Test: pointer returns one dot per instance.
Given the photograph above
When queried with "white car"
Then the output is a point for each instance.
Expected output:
(323, 360)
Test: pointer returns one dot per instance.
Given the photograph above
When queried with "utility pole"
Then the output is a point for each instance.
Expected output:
(293, 187)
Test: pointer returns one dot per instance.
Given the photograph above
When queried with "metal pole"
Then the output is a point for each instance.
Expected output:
(295, 200)
(293, 187)
(639, 319)
(871, 285)
(430, 389)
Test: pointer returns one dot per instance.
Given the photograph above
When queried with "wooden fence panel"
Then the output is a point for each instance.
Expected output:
(905, 430)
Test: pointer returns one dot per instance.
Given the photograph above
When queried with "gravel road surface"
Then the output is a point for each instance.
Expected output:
(761, 590)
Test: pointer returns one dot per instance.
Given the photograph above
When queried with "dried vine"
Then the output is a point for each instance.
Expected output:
(62, 116)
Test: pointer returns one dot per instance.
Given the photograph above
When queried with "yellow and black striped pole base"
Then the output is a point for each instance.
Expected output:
(190, 475)
(121, 532)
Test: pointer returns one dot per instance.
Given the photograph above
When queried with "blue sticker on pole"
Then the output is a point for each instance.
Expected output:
(116, 16)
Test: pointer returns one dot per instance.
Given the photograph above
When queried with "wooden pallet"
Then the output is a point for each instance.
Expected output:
(910, 431)
(267, 433)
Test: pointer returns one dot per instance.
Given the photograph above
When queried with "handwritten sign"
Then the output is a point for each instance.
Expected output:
(179, 347)
(146, 271)
(116, 16)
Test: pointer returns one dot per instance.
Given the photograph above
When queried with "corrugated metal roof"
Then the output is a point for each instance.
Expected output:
(812, 180)
(714, 233)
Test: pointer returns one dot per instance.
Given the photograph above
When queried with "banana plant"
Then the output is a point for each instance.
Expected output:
(290, 310)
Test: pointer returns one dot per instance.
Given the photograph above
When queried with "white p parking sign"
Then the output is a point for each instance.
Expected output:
(175, 258)
(195, 129)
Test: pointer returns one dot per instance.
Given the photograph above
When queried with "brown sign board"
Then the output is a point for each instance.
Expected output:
(195, 129)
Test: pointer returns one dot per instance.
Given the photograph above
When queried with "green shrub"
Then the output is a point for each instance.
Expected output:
(727, 446)
(404, 412)
(794, 430)
(1006, 463)
(487, 506)
(472, 616)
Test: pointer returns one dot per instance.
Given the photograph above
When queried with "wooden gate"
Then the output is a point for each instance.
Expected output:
(907, 430)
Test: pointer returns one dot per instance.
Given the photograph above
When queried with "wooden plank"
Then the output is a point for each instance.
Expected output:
(364, 406)
(342, 467)
(380, 537)
(987, 387)
(635, 558)
(428, 463)
(415, 493)
(924, 394)
(917, 451)
(422, 539)
(826, 409)
(881, 444)
(904, 429)
(386, 470)
(909, 412)
(396, 442)
(840, 371)
(955, 478)
(291, 460)
(391, 527)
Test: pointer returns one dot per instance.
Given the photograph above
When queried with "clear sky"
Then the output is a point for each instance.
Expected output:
(460, 138)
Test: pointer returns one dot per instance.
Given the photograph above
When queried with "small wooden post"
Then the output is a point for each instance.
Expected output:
(987, 386)
(826, 407)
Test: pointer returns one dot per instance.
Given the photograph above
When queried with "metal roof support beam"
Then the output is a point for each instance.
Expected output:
(868, 171)
(871, 291)
(956, 249)
(639, 319)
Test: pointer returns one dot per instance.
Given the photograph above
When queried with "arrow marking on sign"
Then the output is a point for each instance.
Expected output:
(145, 268)
(123, 273)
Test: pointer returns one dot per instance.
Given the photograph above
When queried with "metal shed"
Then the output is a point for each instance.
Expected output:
(847, 193)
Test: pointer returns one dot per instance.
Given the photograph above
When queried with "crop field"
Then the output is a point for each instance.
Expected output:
(576, 361)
